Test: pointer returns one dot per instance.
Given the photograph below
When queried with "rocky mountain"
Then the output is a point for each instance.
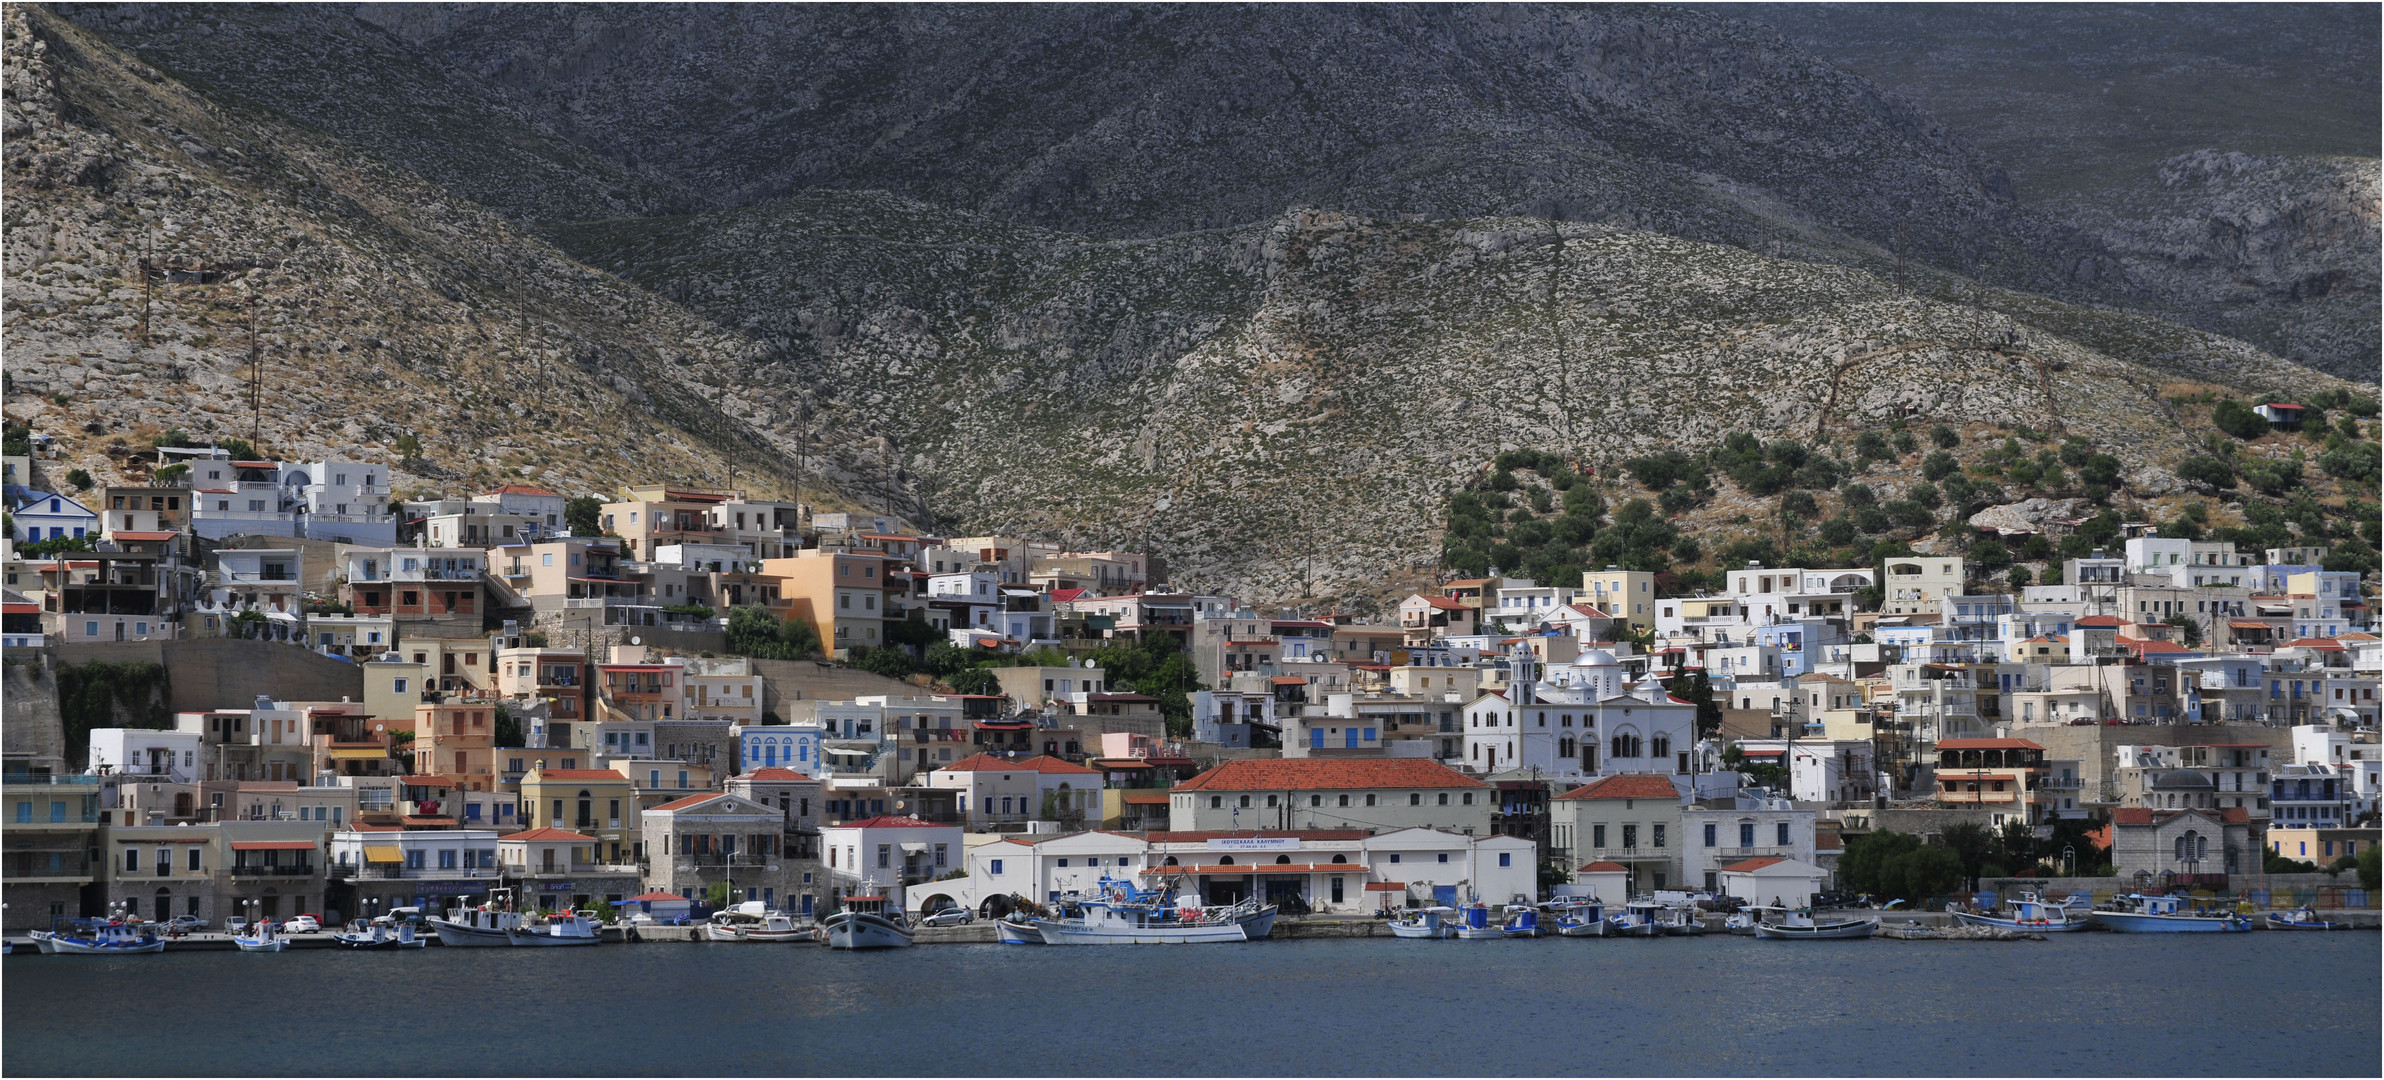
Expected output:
(380, 305)
(1254, 287)
(2213, 163)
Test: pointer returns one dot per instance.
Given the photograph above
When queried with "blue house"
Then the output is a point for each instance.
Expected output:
(779, 746)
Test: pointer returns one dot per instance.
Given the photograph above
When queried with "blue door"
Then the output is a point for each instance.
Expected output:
(806, 905)
(1444, 895)
(1316, 738)
(1350, 738)
(769, 754)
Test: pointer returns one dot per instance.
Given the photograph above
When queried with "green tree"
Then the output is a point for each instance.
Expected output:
(2237, 419)
(1862, 866)
(2206, 471)
(1939, 465)
(756, 632)
(1694, 687)
(509, 727)
(1944, 438)
(973, 681)
(2189, 629)
(409, 448)
(1926, 871)
(2367, 866)
(78, 479)
(1972, 845)
(581, 514)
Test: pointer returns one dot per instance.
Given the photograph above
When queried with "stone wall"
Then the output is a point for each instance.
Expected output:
(32, 732)
(229, 673)
(2095, 748)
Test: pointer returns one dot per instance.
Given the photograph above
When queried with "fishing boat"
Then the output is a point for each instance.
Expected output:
(1016, 929)
(558, 929)
(752, 921)
(1638, 918)
(1577, 917)
(1118, 913)
(98, 939)
(1477, 926)
(381, 935)
(1742, 923)
(1680, 920)
(260, 938)
(2304, 919)
(863, 923)
(480, 925)
(1801, 926)
(2029, 913)
(1428, 923)
(2137, 913)
(1522, 920)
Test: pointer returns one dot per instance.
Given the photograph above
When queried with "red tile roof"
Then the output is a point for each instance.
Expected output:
(1156, 797)
(550, 834)
(2098, 620)
(1749, 866)
(2144, 815)
(522, 489)
(2319, 643)
(1160, 836)
(1044, 763)
(1307, 773)
(693, 801)
(890, 822)
(1446, 604)
(1602, 867)
(125, 535)
(1627, 786)
(1987, 744)
(775, 774)
(582, 774)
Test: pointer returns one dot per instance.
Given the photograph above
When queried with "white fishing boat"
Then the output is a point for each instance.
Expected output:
(483, 925)
(863, 923)
(1120, 914)
(1522, 920)
(1638, 918)
(1478, 926)
(98, 939)
(2137, 913)
(1801, 926)
(1016, 929)
(1742, 922)
(2304, 919)
(753, 921)
(1577, 917)
(1425, 924)
(380, 935)
(558, 929)
(2029, 913)
(1680, 920)
(260, 938)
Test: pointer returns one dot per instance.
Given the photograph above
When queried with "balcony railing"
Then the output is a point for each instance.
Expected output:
(274, 870)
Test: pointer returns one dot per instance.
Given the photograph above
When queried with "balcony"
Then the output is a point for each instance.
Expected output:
(273, 870)
(716, 859)
(561, 869)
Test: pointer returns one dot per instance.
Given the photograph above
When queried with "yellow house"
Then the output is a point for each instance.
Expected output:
(1628, 595)
(598, 803)
(840, 593)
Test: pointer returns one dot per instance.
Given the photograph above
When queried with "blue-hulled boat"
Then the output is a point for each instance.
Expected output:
(1523, 920)
(2304, 919)
(1477, 925)
(2137, 913)
(98, 939)
(2030, 913)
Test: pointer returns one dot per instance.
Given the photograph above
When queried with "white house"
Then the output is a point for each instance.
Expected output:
(44, 516)
(780, 746)
(345, 502)
(881, 856)
(1716, 836)
(998, 790)
(1376, 793)
(1772, 880)
(145, 752)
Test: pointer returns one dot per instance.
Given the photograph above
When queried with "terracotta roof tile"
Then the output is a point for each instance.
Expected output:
(550, 834)
(1043, 763)
(1602, 867)
(1309, 774)
(1626, 786)
(890, 822)
(1749, 866)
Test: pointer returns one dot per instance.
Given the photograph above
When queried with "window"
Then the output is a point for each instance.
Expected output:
(414, 860)
(1506, 858)
(993, 866)
(1443, 857)
(193, 861)
(1656, 832)
(1444, 798)
(885, 855)
(1394, 856)
(1630, 835)
(1746, 834)
(132, 860)
(1783, 834)
(1597, 836)
(1345, 800)
(1710, 830)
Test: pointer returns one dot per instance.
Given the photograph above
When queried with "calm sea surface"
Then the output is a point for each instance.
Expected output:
(2254, 1004)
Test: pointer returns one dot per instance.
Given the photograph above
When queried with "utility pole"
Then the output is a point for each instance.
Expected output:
(256, 384)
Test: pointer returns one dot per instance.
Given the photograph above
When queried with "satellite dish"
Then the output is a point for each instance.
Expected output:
(637, 641)
(380, 727)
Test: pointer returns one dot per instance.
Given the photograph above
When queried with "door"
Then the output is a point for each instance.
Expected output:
(1444, 895)
(806, 905)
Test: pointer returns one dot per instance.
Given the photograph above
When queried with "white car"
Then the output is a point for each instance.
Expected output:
(950, 916)
(302, 924)
(234, 925)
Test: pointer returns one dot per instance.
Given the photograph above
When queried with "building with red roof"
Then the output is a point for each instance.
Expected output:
(1632, 819)
(994, 790)
(1309, 793)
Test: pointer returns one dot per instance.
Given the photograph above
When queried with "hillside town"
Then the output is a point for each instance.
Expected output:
(283, 690)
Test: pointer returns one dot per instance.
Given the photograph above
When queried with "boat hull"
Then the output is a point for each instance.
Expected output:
(59, 946)
(1824, 932)
(2276, 923)
(1632, 927)
(457, 935)
(267, 945)
(1583, 928)
(373, 943)
(2133, 923)
(1420, 933)
(1010, 933)
(530, 938)
(2032, 926)
(860, 930)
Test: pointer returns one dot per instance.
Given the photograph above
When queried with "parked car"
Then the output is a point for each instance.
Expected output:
(951, 916)
(235, 924)
(303, 924)
(186, 924)
(394, 916)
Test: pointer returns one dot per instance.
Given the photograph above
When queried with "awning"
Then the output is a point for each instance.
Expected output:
(358, 755)
(1213, 870)
(844, 752)
(1386, 886)
(378, 853)
(914, 848)
(425, 781)
(273, 845)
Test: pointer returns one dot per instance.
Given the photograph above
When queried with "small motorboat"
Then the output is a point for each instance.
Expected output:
(2029, 913)
(1427, 923)
(479, 925)
(1118, 913)
(261, 938)
(2137, 913)
(1577, 917)
(560, 928)
(1638, 918)
(1477, 926)
(380, 935)
(1680, 920)
(863, 923)
(1742, 922)
(2306, 918)
(1016, 929)
(98, 939)
(1522, 920)
(752, 921)
(1801, 926)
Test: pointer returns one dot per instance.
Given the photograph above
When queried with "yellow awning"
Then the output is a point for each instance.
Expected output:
(367, 754)
(380, 853)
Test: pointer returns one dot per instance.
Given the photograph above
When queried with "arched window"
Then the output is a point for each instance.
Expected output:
(587, 808)
(1341, 858)
(1170, 861)
(1282, 860)
(1226, 861)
